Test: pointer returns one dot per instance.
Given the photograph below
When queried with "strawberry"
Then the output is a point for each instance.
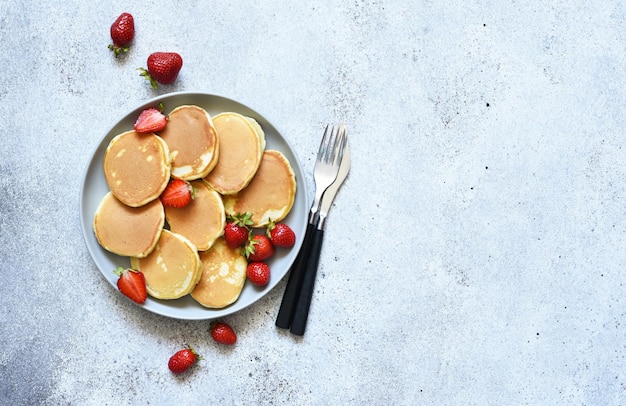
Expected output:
(237, 229)
(259, 248)
(163, 67)
(122, 33)
(281, 235)
(258, 273)
(149, 121)
(178, 193)
(183, 360)
(132, 284)
(223, 333)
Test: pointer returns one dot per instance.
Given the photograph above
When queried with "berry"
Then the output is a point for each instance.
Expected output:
(183, 360)
(122, 33)
(150, 120)
(259, 248)
(258, 273)
(178, 193)
(236, 231)
(223, 333)
(132, 284)
(281, 235)
(163, 67)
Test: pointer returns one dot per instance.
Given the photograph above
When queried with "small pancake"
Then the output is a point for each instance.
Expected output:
(128, 231)
(172, 269)
(242, 142)
(193, 142)
(202, 221)
(223, 276)
(270, 194)
(137, 167)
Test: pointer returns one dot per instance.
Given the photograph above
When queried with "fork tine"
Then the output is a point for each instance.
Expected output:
(339, 146)
(330, 146)
(323, 145)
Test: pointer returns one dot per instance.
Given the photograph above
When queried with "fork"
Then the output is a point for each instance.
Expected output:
(324, 173)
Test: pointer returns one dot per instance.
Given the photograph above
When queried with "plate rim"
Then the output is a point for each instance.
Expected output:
(206, 313)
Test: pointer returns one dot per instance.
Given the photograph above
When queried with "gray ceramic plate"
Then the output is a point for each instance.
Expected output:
(94, 187)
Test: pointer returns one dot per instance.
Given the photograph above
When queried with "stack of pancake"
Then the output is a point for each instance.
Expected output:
(181, 251)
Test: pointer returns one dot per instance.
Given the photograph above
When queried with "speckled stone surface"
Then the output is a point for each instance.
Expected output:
(474, 256)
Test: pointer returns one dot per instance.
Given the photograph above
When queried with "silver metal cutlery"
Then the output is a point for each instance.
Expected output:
(331, 169)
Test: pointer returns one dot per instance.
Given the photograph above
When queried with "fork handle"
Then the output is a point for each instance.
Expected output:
(301, 314)
(292, 290)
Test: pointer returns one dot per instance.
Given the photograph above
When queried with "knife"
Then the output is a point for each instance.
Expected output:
(301, 313)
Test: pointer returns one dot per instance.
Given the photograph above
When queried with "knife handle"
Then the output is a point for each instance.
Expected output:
(301, 314)
(292, 290)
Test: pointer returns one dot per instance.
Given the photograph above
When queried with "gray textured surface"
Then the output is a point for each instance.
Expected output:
(475, 254)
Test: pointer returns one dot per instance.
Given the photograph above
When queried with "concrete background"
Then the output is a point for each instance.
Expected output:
(475, 255)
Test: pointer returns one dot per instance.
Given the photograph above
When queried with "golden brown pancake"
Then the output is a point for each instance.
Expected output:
(202, 221)
(223, 276)
(242, 142)
(192, 140)
(137, 167)
(172, 269)
(270, 194)
(128, 231)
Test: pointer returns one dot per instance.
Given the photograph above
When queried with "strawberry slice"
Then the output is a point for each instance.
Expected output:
(149, 121)
(178, 193)
(132, 284)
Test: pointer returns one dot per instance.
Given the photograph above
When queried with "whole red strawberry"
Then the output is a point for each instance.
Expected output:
(281, 235)
(178, 193)
(132, 284)
(258, 273)
(122, 33)
(236, 231)
(223, 333)
(259, 248)
(163, 67)
(183, 360)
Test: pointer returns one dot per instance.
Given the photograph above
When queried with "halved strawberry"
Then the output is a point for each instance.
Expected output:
(150, 120)
(178, 193)
(132, 284)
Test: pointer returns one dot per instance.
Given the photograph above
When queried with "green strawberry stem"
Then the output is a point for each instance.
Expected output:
(146, 74)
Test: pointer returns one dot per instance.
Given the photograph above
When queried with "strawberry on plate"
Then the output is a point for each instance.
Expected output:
(281, 235)
(182, 360)
(132, 284)
(178, 193)
(163, 67)
(122, 33)
(150, 120)
(237, 229)
(223, 333)
(259, 248)
(258, 273)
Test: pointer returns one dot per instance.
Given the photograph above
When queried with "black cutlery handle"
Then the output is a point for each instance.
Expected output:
(301, 314)
(292, 290)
